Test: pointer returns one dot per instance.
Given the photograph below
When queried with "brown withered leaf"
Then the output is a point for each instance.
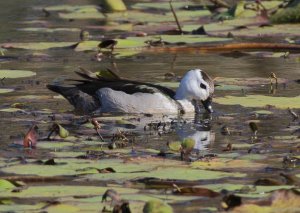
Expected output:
(196, 191)
(106, 170)
(31, 137)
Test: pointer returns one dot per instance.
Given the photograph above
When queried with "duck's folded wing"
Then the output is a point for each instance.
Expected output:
(94, 82)
(83, 93)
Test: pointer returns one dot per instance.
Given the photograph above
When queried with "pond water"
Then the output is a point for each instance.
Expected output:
(278, 134)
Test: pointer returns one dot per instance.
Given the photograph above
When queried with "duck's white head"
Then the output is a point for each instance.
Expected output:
(196, 85)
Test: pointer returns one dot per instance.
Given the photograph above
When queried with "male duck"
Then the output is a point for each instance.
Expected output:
(114, 94)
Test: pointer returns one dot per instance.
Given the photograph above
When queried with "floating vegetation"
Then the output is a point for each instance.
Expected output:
(260, 101)
(135, 163)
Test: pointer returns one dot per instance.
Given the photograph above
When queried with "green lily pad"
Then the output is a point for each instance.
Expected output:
(152, 17)
(246, 81)
(83, 14)
(260, 101)
(259, 191)
(48, 30)
(223, 163)
(16, 73)
(54, 144)
(14, 207)
(231, 87)
(6, 185)
(63, 190)
(161, 5)
(77, 11)
(71, 8)
(2, 90)
(189, 39)
(62, 208)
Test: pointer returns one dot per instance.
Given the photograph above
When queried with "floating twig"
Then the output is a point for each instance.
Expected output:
(2, 80)
(230, 47)
(294, 114)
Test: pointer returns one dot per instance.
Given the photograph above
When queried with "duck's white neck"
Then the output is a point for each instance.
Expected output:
(189, 87)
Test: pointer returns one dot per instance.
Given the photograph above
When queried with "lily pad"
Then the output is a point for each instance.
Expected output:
(189, 39)
(2, 90)
(61, 191)
(71, 8)
(246, 81)
(224, 164)
(231, 87)
(48, 30)
(11, 109)
(161, 5)
(54, 145)
(61, 208)
(37, 45)
(260, 101)
(16, 73)
(6, 185)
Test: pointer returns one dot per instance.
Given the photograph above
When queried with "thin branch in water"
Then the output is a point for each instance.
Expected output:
(2, 81)
(175, 17)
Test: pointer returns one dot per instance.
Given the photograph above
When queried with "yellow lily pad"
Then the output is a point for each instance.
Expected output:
(223, 163)
(260, 101)
(48, 30)
(16, 73)
(62, 208)
(5, 90)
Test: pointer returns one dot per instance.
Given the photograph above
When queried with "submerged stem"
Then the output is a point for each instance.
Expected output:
(175, 17)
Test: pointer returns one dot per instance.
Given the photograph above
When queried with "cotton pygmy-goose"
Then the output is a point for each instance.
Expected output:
(111, 93)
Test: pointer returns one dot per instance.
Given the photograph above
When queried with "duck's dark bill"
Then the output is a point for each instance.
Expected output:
(207, 105)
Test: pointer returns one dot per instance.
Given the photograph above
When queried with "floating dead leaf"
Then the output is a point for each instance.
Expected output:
(196, 191)
(268, 182)
(31, 137)
(106, 170)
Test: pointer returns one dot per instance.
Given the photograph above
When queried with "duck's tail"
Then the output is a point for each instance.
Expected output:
(82, 102)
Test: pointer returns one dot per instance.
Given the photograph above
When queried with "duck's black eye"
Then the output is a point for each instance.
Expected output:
(202, 86)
